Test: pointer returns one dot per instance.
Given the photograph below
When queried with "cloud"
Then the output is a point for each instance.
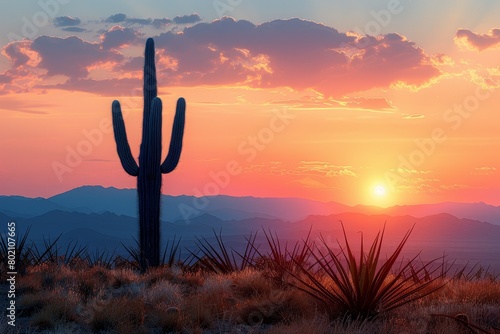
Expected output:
(116, 18)
(405, 172)
(70, 56)
(294, 53)
(128, 21)
(69, 60)
(323, 168)
(5, 78)
(66, 21)
(469, 40)
(118, 37)
(159, 23)
(16, 53)
(307, 169)
(268, 168)
(107, 87)
(26, 106)
(74, 29)
(415, 184)
(320, 103)
(187, 19)
(484, 170)
(369, 103)
(308, 182)
(133, 64)
(455, 186)
(413, 116)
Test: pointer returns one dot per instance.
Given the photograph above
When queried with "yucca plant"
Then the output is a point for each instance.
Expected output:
(51, 252)
(364, 287)
(172, 252)
(220, 259)
(281, 259)
(22, 253)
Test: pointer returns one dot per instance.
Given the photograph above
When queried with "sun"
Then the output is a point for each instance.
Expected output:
(379, 190)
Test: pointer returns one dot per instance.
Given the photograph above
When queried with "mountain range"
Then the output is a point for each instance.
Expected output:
(106, 218)
(97, 199)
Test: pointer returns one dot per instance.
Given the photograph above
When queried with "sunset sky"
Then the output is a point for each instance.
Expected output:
(361, 102)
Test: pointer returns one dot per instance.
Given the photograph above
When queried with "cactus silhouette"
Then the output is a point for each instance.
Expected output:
(150, 167)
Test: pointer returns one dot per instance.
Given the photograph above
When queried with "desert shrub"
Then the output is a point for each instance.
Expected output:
(250, 282)
(58, 311)
(89, 282)
(121, 277)
(279, 306)
(212, 301)
(219, 259)
(363, 287)
(121, 315)
(164, 292)
(30, 303)
(282, 260)
(157, 274)
(166, 318)
(189, 280)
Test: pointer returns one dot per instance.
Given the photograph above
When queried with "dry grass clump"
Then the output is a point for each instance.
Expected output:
(280, 306)
(59, 311)
(210, 302)
(190, 280)
(121, 315)
(165, 293)
(484, 292)
(166, 318)
(154, 275)
(44, 276)
(30, 303)
(89, 282)
(50, 308)
(122, 277)
(250, 282)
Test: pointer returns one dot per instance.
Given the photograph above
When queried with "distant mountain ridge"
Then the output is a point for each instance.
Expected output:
(97, 199)
(463, 240)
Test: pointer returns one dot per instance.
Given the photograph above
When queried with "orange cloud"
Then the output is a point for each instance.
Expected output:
(291, 53)
(469, 40)
(295, 53)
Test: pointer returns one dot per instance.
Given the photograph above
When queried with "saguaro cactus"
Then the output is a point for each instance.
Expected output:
(150, 167)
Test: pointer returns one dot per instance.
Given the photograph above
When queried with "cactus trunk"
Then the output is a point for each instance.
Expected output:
(150, 169)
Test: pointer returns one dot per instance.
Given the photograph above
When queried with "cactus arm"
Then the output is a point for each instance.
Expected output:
(127, 160)
(174, 151)
(153, 141)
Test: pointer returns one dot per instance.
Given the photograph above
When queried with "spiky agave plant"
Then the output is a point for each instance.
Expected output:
(362, 288)
(150, 167)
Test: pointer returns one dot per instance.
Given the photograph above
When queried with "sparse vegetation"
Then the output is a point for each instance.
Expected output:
(320, 291)
(363, 287)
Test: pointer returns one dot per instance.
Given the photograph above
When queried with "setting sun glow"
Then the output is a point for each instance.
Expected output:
(379, 190)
